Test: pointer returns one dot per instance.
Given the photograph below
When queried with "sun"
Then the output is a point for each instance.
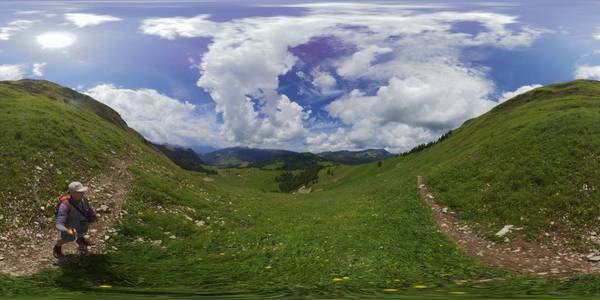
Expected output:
(55, 40)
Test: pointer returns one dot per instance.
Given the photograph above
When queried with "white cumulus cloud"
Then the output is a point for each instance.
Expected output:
(85, 19)
(419, 86)
(6, 32)
(12, 72)
(587, 72)
(159, 118)
(524, 89)
(324, 81)
(38, 69)
(171, 28)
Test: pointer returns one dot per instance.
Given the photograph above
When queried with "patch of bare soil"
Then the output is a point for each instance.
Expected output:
(518, 255)
(28, 249)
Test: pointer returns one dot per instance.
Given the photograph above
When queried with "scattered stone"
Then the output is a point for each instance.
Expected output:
(445, 210)
(304, 190)
(103, 208)
(506, 229)
(595, 258)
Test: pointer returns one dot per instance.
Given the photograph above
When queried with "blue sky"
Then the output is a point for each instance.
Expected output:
(299, 75)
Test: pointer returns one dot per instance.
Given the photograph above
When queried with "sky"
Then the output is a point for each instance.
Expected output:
(299, 75)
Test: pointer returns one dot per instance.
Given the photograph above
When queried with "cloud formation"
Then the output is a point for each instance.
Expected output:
(159, 118)
(84, 19)
(587, 72)
(12, 72)
(409, 83)
(6, 32)
(38, 69)
(524, 89)
(171, 28)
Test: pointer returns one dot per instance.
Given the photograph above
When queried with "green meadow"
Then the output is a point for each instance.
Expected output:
(363, 231)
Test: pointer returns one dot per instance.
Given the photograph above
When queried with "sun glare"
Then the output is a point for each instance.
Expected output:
(55, 40)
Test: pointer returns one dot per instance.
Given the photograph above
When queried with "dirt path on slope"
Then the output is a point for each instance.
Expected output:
(518, 255)
(27, 250)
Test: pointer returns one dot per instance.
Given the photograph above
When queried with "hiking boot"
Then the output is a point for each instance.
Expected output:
(57, 252)
(83, 245)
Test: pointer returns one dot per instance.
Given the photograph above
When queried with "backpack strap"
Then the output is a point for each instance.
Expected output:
(65, 199)
(84, 214)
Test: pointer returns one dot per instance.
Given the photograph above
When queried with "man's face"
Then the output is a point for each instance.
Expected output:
(77, 195)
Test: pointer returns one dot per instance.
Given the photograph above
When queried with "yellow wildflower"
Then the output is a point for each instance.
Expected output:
(390, 290)
(458, 293)
(420, 286)
(338, 279)
(105, 286)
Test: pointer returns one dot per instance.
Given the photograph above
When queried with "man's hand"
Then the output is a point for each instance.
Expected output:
(71, 231)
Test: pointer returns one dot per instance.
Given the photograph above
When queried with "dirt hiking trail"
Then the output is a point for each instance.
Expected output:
(28, 250)
(518, 255)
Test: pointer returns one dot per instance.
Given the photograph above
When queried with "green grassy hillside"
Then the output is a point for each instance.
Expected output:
(50, 136)
(363, 231)
(533, 161)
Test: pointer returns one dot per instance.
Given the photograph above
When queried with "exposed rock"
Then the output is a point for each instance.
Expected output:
(304, 190)
(506, 229)
(595, 258)
(103, 208)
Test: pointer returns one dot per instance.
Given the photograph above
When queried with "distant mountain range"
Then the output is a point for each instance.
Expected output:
(243, 156)
(186, 158)
(189, 159)
(356, 157)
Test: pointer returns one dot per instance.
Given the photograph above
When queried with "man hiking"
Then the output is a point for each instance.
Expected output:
(73, 216)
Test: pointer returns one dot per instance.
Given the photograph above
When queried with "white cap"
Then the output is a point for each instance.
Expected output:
(77, 187)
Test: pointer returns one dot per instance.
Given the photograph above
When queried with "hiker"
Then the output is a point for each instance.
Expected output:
(73, 216)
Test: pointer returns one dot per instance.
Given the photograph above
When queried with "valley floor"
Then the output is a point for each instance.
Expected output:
(363, 231)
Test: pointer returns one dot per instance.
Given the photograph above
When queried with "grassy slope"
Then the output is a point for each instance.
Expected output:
(525, 163)
(367, 223)
(45, 144)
